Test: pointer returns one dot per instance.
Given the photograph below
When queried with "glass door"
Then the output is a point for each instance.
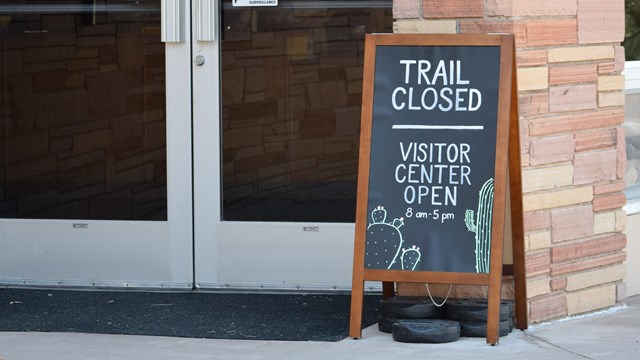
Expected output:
(276, 195)
(225, 156)
(95, 127)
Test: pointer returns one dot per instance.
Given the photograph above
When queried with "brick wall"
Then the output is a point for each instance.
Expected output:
(570, 92)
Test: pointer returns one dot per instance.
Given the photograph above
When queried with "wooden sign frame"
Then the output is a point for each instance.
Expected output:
(507, 168)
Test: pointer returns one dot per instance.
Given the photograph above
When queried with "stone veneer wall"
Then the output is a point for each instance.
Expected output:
(570, 92)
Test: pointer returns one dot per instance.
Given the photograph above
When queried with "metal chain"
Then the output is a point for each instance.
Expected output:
(443, 301)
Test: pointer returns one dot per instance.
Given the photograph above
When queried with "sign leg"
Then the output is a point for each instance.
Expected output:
(357, 298)
(517, 220)
(493, 315)
(388, 289)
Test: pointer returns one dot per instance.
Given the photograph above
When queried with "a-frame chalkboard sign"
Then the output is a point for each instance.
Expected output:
(439, 146)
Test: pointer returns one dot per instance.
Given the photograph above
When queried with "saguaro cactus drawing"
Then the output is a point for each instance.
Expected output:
(482, 226)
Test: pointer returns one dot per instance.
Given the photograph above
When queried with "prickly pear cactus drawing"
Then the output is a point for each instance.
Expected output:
(481, 226)
(384, 244)
(410, 258)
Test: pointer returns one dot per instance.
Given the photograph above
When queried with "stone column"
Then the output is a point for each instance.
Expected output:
(571, 106)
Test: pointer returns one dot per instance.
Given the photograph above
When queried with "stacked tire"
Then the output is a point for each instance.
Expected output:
(405, 308)
(471, 314)
(419, 320)
(425, 331)
(415, 320)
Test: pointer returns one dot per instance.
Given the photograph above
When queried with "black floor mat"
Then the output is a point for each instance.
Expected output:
(294, 317)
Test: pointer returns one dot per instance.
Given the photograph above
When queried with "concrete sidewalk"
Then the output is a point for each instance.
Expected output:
(610, 334)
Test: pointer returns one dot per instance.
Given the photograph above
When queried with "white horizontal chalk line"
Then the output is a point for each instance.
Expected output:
(437, 127)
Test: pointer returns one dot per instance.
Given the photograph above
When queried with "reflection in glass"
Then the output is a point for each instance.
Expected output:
(631, 41)
(631, 127)
(291, 96)
(82, 110)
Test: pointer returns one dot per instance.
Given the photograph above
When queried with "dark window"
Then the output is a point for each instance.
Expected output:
(291, 96)
(82, 110)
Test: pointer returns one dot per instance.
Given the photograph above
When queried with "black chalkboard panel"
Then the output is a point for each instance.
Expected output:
(433, 143)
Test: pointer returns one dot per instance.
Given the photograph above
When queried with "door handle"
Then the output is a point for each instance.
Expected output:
(172, 18)
(206, 16)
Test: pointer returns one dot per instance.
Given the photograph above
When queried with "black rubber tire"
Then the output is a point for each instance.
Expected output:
(385, 324)
(479, 329)
(408, 307)
(425, 331)
(472, 310)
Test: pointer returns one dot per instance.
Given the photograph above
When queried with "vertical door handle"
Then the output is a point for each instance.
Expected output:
(172, 18)
(206, 16)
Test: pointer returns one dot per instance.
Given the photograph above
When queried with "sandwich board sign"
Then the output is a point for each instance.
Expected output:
(439, 133)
